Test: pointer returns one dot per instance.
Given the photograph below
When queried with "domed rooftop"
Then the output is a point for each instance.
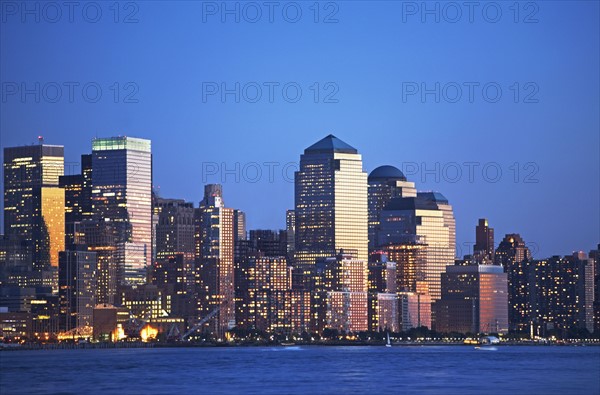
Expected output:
(386, 173)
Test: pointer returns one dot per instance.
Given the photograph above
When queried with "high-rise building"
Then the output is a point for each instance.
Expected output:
(76, 287)
(340, 297)
(483, 250)
(33, 201)
(595, 260)
(215, 261)
(261, 286)
(474, 300)
(562, 294)
(424, 225)
(513, 254)
(385, 183)
(78, 198)
(330, 202)
(102, 238)
(290, 229)
(174, 234)
(122, 194)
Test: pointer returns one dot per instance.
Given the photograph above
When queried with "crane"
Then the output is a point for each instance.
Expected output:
(203, 321)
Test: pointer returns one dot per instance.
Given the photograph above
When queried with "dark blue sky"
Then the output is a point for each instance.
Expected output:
(367, 64)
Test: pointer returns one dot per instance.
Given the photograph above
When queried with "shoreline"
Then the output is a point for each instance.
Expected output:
(124, 345)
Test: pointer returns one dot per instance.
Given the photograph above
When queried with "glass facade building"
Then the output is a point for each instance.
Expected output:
(122, 193)
(426, 224)
(330, 202)
(34, 202)
(474, 300)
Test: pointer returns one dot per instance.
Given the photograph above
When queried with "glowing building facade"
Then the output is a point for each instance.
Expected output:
(33, 201)
(122, 193)
(330, 202)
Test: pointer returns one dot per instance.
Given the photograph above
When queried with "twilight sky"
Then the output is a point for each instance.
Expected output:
(513, 134)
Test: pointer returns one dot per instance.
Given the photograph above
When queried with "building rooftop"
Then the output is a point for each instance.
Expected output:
(330, 144)
(387, 173)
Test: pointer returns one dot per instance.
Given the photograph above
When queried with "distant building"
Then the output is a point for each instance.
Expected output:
(562, 294)
(426, 224)
(383, 312)
(385, 183)
(76, 287)
(340, 297)
(514, 255)
(414, 309)
(290, 229)
(261, 283)
(215, 233)
(270, 242)
(484, 242)
(595, 260)
(78, 198)
(174, 234)
(474, 300)
(34, 203)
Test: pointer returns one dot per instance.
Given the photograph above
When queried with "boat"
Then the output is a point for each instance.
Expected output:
(388, 344)
(287, 344)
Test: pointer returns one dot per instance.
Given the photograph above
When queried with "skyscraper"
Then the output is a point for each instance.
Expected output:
(385, 183)
(122, 194)
(34, 202)
(514, 256)
(424, 227)
(76, 287)
(290, 229)
(483, 250)
(215, 232)
(78, 198)
(330, 202)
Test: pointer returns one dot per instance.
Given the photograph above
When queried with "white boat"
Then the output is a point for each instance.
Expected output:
(388, 344)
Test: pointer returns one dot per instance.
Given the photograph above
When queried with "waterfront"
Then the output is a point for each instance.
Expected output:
(305, 369)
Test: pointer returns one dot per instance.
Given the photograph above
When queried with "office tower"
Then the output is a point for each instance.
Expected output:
(514, 255)
(269, 242)
(101, 237)
(483, 250)
(78, 198)
(261, 287)
(562, 294)
(174, 235)
(424, 223)
(215, 261)
(34, 202)
(76, 287)
(122, 193)
(239, 224)
(474, 300)
(330, 202)
(595, 260)
(290, 229)
(385, 183)
(16, 262)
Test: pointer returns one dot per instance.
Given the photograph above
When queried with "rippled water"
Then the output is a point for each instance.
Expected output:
(305, 370)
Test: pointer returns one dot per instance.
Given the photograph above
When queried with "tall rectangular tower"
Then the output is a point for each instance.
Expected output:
(122, 194)
(33, 201)
(330, 202)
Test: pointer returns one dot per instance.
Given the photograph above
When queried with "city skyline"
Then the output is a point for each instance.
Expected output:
(465, 244)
